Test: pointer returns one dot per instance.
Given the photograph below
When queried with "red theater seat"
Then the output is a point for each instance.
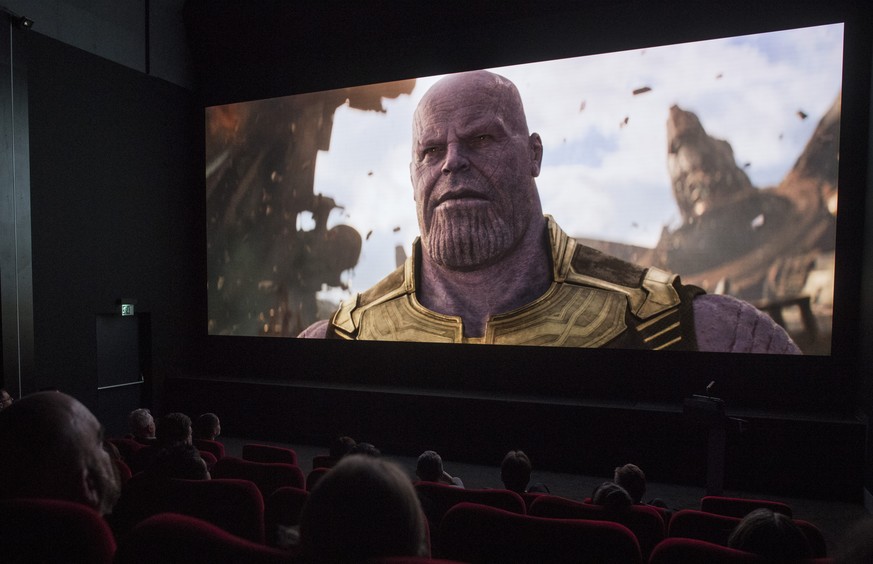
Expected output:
(313, 477)
(644, 521)
(323, 461)
(692, 551)
(169, 537)
(214, 447)
(268, 453)
(50, 530)
(268, 476)
(126, 447)
(233, 505)
(476, 533)
(282, 508)
(740, 507)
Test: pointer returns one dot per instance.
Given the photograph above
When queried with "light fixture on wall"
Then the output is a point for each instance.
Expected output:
(21, 22)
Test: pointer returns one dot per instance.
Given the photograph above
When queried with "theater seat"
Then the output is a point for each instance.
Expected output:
(233, 505)
(49, 530)
(268, 476)
(740, 507)
(480, 534)
(314, 476)
(214, 447)
(269, 453)
(645, 522)
(126, 447)
(282, 509)
(170, 537)
(692, 551)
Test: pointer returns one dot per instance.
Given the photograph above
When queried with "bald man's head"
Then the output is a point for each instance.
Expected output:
(473, 169)
(52, 448)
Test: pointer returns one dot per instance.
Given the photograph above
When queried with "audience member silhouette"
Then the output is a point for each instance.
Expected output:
(179, 461)
(772, 535)
(5, 399)
(341, 446)
(515, 471)
(365, 507)
(173, 429)
(366, 449)
(612, 497)
(430, 469)
(632, 479)
(53, 448)
(142, 426)
(207, 427)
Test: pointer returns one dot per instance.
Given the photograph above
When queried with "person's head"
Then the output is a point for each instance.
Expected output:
(174, 429)
(363, 508)
(631, 478)
(429, 467)
(612, 497)
(208, 426)
(5, 399)
(515, 471)
(142, 424)
(473, 169)
(340, 446)
(53, 448)
(772, 535)
(180, 461)
(367, 449)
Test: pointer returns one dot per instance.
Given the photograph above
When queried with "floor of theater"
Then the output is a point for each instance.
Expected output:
(832, 517)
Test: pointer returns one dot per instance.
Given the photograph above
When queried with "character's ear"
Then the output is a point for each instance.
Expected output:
(536, 154)
(90, 491)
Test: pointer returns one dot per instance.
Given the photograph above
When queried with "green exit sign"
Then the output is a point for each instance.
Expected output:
(126, 309)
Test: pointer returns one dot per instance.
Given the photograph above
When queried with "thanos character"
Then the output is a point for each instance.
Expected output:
(490, 268)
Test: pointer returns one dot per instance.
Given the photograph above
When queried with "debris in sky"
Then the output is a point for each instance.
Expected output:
(801, 114)
(367, 238)
(396, 229)
(624, 121)
(582, 105)
(370, 173)
(719, 76)
(642, 90)
(747, 165)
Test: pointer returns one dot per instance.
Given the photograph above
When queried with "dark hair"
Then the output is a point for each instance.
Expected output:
(515, 471)
(772, 535)
(366, 449)
(173, 428)
(612, 497)
(341, 446)
(206, 426)
(429, 467)
(632, 479)
(363, 508)
(179, 461)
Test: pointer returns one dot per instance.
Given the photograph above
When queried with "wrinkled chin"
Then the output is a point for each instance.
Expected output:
(107, 484)
(464, 239)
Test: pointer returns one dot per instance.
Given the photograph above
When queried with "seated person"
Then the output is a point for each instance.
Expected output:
(633, 479)
(772, 535)
(341, 446)
(430, 469)
(363, 508)
(207, 427)
(515, 473)
(366, 449)
(172, 429)
(179, 461)
(612, 497)
(5, 399)
(52, 448)
(142, 426)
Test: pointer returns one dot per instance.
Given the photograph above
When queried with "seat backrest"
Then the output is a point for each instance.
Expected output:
(644, 521)
(268, 453)
(124, 472)
(266, 475)
(126, 447)
(700, 525)
(208, 458)
(314, 476)
(215, 447)
(692, 551)
(170, 537)
(436, 499)
(233, 505)
(282, 509)
(529, 498)
(740, 507)
(50, 530)
(323, 461)
(477, 533)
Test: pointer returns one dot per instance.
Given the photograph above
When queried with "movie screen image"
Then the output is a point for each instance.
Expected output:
(715, 160)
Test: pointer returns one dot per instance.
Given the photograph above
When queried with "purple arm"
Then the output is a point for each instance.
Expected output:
(726, 324)
(317, 330)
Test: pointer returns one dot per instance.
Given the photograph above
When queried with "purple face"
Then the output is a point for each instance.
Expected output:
(473, 170)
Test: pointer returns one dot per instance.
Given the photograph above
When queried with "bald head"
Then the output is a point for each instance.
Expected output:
(473, 169)
(52, 448)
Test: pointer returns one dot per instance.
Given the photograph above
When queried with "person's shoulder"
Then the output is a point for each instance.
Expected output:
(317, 330)
(727, 324)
